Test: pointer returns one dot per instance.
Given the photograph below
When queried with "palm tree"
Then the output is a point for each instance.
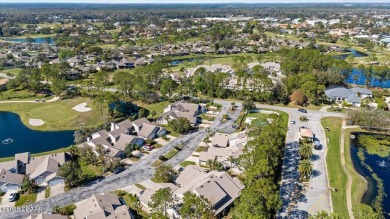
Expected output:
(232, 160)
(153, 114)
(215, 164)
(56, 209)
(305, 151)
(305, 168)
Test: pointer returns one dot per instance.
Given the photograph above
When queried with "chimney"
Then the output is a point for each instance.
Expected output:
(112, 126)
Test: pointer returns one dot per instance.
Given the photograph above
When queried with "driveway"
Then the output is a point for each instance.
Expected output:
(57, 189)
(5, 201)
(138, 172)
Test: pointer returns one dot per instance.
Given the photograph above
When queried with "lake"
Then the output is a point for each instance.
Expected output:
(15, 137)
(362, 78)
(37, 40)
(380, 166)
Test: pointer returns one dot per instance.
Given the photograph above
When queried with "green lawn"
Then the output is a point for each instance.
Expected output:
(258, 115)
(200, 149)
(157, 107)
(186, 163)
(171, 153)
(308, 107)
(91, 171)
(26, 199)
(337, 177)
(140, 186)
(61, 116)
(14, 71)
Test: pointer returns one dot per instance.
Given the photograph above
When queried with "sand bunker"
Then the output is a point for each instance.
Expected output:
(82, 108)
(36, 122)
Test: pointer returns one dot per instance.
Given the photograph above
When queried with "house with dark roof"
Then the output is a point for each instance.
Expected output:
(351, 96)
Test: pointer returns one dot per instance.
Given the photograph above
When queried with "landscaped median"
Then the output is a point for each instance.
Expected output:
(168, 155)
(337, 177)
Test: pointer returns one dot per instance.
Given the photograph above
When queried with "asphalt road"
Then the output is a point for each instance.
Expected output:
(138, 172)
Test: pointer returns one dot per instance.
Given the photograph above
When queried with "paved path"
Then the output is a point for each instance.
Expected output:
(349, 183)
(134, 174)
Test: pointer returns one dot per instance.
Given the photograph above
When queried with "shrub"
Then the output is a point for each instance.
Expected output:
(162, 158)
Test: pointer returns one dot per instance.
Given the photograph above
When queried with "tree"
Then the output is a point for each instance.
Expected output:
(180, 125)
(305, 168)
(58, 86)
(215, 164)
(161, 200)
(153, 114)
(325, 215)
(305, 151)
(298, 97)
(72, 173)
(195, 206)
(167, 87)
(128, 149)
(28, 184)
(164, 174)
(362, 211)
(248, 105)
(355, 78)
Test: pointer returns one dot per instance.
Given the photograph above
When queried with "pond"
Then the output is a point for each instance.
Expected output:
(380, 166)
(361, 78)
(36, 40)
(15, 137)
(353, 52)
(181, 61)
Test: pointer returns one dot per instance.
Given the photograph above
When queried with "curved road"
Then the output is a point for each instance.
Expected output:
(140, 171)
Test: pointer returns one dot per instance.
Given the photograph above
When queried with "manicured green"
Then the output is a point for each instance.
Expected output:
(157, 107)
(21, 95)
(61, 116)
(200, 149)
(337, 177)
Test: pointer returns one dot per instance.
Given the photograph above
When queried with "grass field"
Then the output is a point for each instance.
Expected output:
(308, 107)
(61, 116)
(186, 163)
(337, 177)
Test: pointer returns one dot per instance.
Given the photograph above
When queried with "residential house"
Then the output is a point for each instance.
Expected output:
(180, 109)
(146, 196)
(44, 170)
(189, 173)
(218, 188)
(47, 216)
(148, 130)
(10, 181)
(102, 206)
(220, 140)
(352, 96)
(125, 140)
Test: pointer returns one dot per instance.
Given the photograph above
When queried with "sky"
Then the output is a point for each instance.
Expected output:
(187, 1)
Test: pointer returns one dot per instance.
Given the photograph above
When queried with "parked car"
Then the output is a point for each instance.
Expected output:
(119, 170)
(292, 122)
(317, 145)
(13, 197)
(302, 110)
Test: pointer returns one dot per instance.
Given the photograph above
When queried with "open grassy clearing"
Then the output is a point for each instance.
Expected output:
(337, 177)
(14, 71)
(157, 107)
(57, 115)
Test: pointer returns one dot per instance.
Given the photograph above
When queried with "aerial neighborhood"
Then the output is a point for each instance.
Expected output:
(190, 110)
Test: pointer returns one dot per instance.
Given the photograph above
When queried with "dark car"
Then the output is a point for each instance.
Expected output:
(119, 170)
(302, 110)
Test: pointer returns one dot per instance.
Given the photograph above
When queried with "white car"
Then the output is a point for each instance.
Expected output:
(292, 122)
